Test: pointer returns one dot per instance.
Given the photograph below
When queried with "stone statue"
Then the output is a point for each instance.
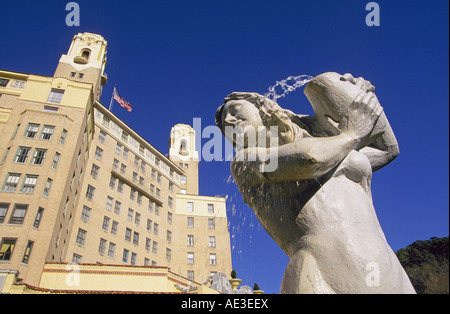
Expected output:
(317, 204)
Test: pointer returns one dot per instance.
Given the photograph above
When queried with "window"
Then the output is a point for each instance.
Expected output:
(47, 132)
(190, 240)
(29, 184)
(120, 187)
(102, 136)
(148, 242)
(111, 250)
(112, 182)
(55, 160)
(190, 258)
(125, 255)
(155, 228)
(132, 194)
(50, 109)
(27, 253)
(7, 248)
(124, 136)
(125, 153)
(76, 258)
(155, 247)
(130, 214)
(149, 225)
(47, 187)
(109, 203)
(137, 219)
(72, 74)
(183, 180)
(135, 238)
(168, 254)
(190, 275)
(80, 75)
(90, 191)
(190, 207)
(94, 171)
(114, 227)
(128, 234)
(106, 221)
(211, 208)
(32, 130)
(11, 182)
(190, 222)
(4, 82)
(212, 241)
(133, 258)
(18, 215)
(63, 137)
(170, 201)
(169, 236)
(6, 155)
(81, 237)
(118, 149)
(98, 153)
(150, 206)
(117, 207)
(211, 223)
(22, 155)
(15, 132)
(38, 218)
(55, 96)
(38, 156)
(137, 161)
(169, 218)
(86, 213)
(3, 212)
(102, 246)
(212, 259)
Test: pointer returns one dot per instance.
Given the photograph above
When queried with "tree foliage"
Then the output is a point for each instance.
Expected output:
(427, 264)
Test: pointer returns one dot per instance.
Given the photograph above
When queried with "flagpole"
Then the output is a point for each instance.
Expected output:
(112, 99)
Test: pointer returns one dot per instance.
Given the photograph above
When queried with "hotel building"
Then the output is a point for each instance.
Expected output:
(78, 185)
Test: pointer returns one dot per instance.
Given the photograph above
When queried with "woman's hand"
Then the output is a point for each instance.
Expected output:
(362, 117)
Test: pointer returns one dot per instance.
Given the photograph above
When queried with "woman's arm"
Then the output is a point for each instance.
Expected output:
(309, 158)
(305, 158)
(383, 149)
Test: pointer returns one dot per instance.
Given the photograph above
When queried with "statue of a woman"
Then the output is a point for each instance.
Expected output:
(317, 204)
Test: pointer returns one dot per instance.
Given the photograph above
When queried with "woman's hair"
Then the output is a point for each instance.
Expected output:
(271, 115)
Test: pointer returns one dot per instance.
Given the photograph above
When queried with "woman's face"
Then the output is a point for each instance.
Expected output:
(243, 116)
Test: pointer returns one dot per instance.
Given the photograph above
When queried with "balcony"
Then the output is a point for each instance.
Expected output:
(81, 59)
(136, 185)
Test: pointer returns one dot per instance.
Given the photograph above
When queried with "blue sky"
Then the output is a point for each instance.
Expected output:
(175, 60)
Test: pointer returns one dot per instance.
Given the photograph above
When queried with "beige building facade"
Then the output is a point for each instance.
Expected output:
(78, 185)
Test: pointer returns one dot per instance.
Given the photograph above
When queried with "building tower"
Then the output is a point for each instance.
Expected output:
(85, 62)
(182, 152)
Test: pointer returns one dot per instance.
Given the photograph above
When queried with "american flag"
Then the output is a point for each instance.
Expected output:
(120, 100)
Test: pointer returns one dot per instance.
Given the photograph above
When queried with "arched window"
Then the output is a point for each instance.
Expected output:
(85, 53)
(183, 146)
